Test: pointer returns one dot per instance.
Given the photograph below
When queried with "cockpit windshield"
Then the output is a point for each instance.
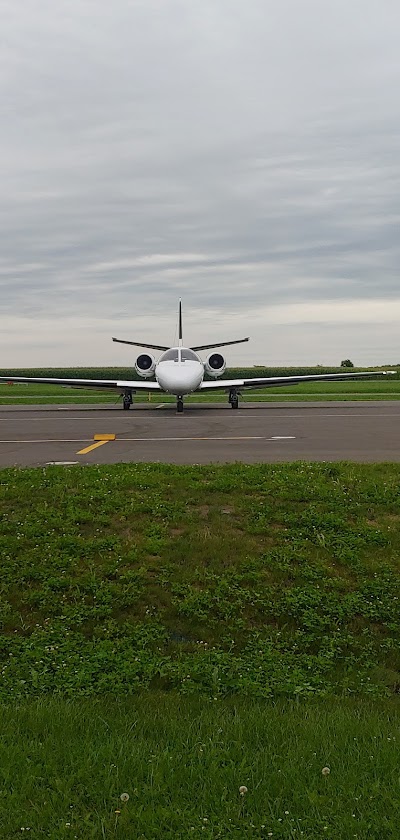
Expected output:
(188, 355)
(169, 356)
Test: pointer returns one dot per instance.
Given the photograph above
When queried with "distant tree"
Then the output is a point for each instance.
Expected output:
(346, 363)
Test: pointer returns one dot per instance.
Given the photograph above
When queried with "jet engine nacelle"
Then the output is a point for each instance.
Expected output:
(145, 365)
(215, 364)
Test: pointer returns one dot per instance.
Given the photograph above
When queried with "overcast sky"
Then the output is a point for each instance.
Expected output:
(244, 156)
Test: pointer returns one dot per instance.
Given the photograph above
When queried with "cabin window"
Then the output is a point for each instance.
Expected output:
(188, 356)
(169, 356)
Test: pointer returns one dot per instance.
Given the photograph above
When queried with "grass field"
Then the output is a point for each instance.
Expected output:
(182, 760)
(177, 632)
(388, 389)
(261, 580)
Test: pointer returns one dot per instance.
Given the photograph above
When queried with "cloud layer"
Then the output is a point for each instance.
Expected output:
(242, 156)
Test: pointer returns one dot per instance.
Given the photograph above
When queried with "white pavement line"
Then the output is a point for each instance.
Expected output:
(151, 440)
(306, 416)
(61, 463)
(162, 405)
(22, 418)
(165, 439)
(39, 419)
(282, 437)
(51, 440)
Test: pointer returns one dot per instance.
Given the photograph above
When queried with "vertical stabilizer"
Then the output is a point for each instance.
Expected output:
(180, 337)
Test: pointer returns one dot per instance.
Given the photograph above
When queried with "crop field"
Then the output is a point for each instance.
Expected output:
(176, 633)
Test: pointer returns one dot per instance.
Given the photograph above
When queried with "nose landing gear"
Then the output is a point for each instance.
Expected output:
(179, 405)
(234, 398)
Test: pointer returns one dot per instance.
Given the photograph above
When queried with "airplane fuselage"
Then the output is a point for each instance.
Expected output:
(179, 371)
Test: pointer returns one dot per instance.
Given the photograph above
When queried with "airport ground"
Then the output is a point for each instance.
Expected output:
(206, 433)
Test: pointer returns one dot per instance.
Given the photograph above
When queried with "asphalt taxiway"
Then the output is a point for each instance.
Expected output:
(206, 433)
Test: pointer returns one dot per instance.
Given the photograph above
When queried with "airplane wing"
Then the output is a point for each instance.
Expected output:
(99, 384)
(272, 381)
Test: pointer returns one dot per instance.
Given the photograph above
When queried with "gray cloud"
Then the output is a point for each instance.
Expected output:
(242, 156)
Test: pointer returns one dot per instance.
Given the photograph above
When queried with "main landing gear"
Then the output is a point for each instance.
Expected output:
(179, 405)
(234, 398)
(127, 400)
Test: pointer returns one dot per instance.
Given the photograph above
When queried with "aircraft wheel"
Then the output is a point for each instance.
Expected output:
(127, 401)
(179, 405)
(233, 398)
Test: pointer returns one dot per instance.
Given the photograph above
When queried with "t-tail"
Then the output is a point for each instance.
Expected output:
(180, 338)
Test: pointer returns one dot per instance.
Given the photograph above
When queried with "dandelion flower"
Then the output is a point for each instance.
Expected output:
(124, 797)
(243, 790)
(325, 771)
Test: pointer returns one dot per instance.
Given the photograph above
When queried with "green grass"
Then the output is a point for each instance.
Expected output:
(20, 394)
(177, 632)
(388, 389)
(65, 764)
(263, 580)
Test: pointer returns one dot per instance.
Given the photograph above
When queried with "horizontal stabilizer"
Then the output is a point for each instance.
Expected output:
(219, 344)
(140, 344)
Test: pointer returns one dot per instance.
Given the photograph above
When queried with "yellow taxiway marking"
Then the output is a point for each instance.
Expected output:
(100, 440)
(92, 446)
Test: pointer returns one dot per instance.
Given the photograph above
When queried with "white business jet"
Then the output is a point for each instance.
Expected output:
(180, 371)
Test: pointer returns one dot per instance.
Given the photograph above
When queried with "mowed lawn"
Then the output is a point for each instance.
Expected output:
(176, 633)
(307, 770)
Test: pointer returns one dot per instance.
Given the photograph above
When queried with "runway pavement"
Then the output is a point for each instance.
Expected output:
(257, 432)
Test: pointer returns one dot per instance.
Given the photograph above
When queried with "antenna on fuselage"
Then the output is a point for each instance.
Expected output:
(180, 338)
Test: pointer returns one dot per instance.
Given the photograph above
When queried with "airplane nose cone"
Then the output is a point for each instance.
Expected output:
(179, 379)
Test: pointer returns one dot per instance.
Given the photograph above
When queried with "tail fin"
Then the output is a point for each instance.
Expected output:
(180, 337)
